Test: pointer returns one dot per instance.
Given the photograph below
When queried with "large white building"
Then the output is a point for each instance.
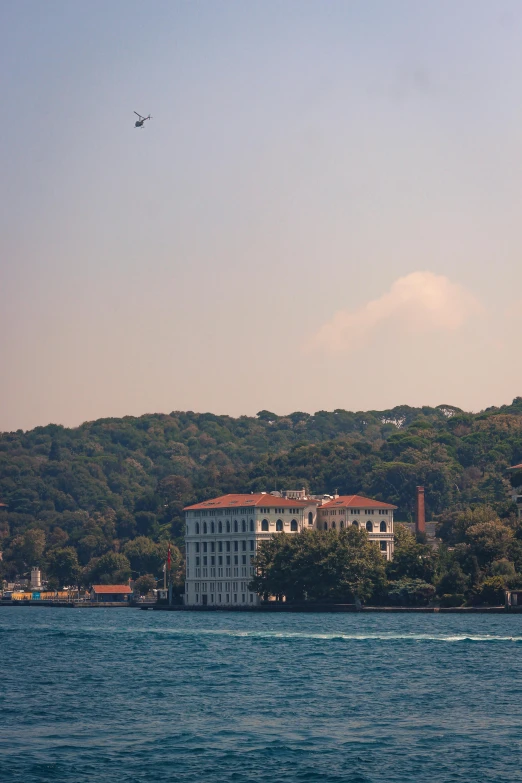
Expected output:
(222, 536)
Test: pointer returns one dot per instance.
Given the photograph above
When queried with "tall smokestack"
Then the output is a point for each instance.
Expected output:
(420, 519)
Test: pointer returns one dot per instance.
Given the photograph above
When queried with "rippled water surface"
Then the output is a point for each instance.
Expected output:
(121, 696)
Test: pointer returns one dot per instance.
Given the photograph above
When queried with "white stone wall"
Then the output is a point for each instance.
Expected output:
(221, 546)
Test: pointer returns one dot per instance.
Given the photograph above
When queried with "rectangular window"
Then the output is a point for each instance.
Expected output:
(212, 560)
(228, 546)
(197, 598)
(219, 598)
(204, 546)
(205, 558)
(220, 546)
(251, 546)
(212, 547)
(243, 559)
(197, 546)
(235, 598)
(228, 559)
(243, 598)
(236, 546)
(236, 559)
(220, 559)
(197, 561)
(228, 599)
(243, 546)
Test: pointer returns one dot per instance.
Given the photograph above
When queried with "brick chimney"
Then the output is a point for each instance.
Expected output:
(420, 519)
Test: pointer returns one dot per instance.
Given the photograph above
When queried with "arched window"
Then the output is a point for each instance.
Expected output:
(279, 525)
(264, 525)
(383, 546)
(293, 525)
(326, 525)
(204, 527)
(197, 528)
(243, 525)
(355, 523)
(310, 518)
(235, 526)
(228, 525)
(212, 528)
(341, 524)
(369, 527)
(333, 525)
(383, 527)
(220, 527)
(251, 525)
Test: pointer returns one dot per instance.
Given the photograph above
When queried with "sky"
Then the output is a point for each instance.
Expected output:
(324, 211)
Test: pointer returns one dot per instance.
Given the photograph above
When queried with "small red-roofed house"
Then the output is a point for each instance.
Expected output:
(110, 593)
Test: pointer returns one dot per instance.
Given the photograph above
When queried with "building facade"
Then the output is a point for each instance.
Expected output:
(370, 515)
(223, 534)
(222, 537)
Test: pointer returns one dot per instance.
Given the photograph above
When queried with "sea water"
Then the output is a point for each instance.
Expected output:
(128, 696)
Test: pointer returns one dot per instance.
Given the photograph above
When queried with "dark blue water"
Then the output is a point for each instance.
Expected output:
(126, 696)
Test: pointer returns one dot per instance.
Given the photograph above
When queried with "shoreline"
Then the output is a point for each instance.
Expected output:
(295, 609)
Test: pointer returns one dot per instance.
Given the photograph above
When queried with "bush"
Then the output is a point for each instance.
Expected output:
(410, 592)
(452, 599)
(490, 592)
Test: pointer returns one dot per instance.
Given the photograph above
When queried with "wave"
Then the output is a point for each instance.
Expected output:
(275, 635)
(355, 637)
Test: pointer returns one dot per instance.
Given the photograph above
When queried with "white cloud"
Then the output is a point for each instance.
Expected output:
(420, 301)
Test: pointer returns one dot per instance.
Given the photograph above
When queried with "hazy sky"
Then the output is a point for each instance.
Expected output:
(324, 212)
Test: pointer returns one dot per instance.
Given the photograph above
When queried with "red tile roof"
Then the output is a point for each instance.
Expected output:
(247, 501)
(355, 501)
(516, 467)
(112, 589)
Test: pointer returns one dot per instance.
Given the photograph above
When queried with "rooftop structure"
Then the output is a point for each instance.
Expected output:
(110, 593)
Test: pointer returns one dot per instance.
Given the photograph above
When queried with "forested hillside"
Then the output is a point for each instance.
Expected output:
(92, 490)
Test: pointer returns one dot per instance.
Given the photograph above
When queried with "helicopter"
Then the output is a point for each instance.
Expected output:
(139, 122)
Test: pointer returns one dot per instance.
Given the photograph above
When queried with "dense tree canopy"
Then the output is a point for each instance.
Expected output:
(323, 566)
(99, 488)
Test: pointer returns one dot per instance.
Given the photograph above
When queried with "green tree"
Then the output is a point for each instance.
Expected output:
(491, 591)
(410, 592)
(144, 555)
(453, 582)
(489, 541)
(332, 566)
(111, 568)
(411, 560)
(63, 566)
(145, 584)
